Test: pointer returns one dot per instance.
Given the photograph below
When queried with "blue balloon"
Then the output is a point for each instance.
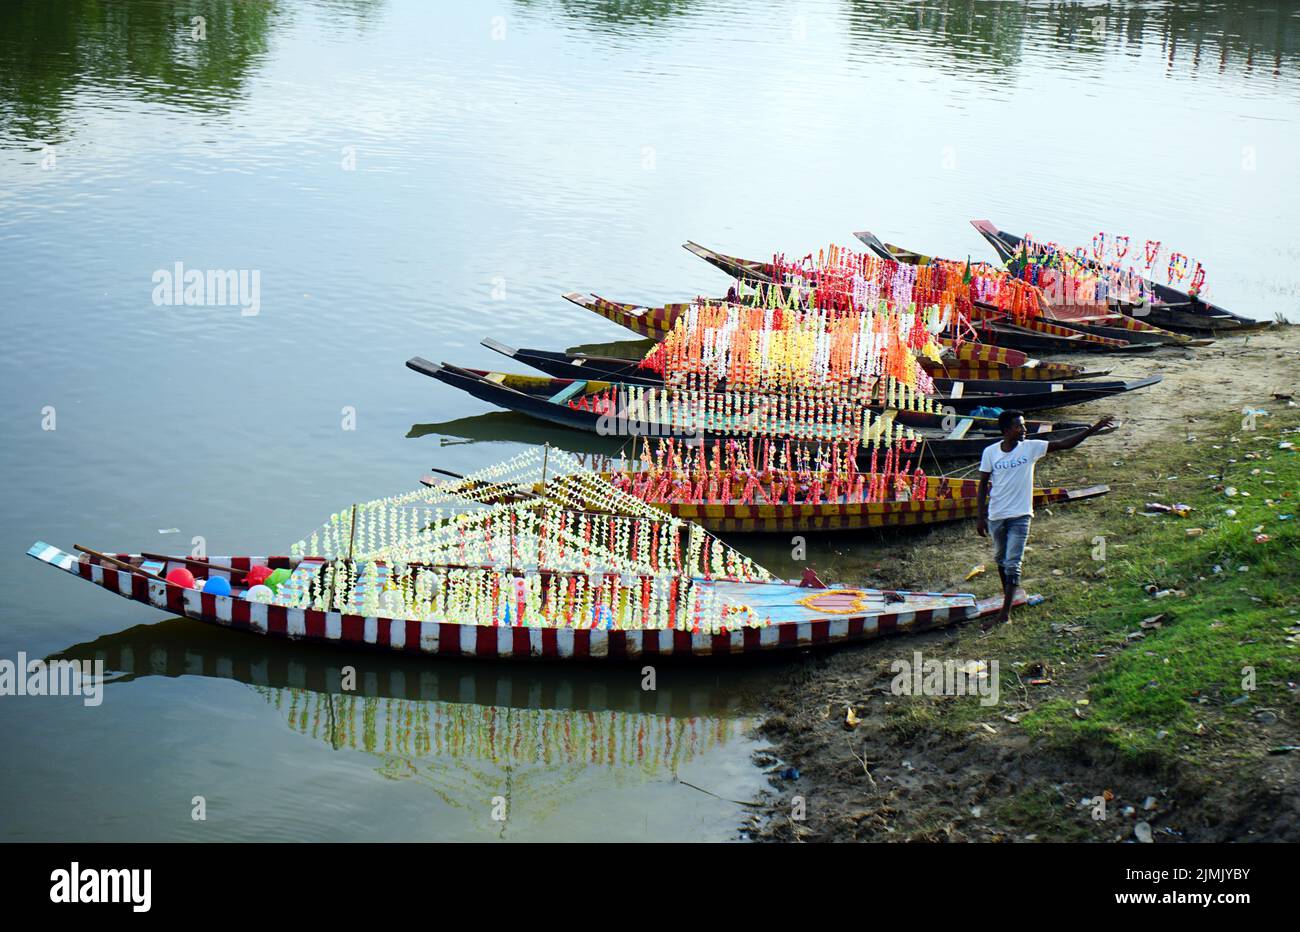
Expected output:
(217, 585)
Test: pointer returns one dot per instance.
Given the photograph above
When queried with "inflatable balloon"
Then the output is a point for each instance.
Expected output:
(181, 577)
(275, 579)
(217, 585)
(261, 594)
(257, 575)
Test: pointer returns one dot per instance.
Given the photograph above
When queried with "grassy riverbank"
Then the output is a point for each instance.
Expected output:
(1161, 672)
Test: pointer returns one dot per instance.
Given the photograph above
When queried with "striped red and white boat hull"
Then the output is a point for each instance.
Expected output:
(444, 639)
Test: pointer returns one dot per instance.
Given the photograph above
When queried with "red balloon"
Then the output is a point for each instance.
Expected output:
(256, 576)
(181, 577)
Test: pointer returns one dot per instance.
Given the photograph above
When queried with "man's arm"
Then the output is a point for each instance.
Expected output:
(1055, 445)
(982, 527)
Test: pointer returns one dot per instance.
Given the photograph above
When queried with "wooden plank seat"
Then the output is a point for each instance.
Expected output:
(564, 394)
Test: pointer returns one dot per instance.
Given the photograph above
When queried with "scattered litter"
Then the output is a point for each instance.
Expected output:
(1013, 719)
(1040, 681)
(1266, 717)
(1195, 531)
(790, 773)
(1155, 621)
(989, 728)
(1242, 569)
(1284, 749)
(976, 811)
(1230, 491)
(1217, 569)
(975, 668)
(169, 530)
(851, 719)
(976, 570)
(1142, 832)
(1262, 538)
(1058, 572)
(1230, 512)
(1286, 445)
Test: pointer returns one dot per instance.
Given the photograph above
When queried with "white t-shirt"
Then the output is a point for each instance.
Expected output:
(1011, 483)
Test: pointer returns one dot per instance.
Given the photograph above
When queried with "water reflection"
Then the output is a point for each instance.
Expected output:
(989, 34)
(510, 427)
(468, 732)
(53, 51)
(614, 15)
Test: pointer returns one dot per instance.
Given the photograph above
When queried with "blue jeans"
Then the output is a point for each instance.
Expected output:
(1009, 536)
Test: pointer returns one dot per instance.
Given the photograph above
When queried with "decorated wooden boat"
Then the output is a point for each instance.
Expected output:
(1024, 335)
(580, 365)
(1172, 309)
(961, 395)
(801, 617)
(1098, 322)
(548, 399)
(968, 358)
(945, 499)
(535, 557)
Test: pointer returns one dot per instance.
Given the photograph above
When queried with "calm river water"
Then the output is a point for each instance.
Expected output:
(409, 176)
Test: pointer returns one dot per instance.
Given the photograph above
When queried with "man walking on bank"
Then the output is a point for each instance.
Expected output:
(1006, 495)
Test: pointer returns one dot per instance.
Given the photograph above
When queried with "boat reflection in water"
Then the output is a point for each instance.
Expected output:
(468, 731)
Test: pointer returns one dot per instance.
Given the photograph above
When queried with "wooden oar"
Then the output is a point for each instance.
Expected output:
(194, 561)
(105, 558)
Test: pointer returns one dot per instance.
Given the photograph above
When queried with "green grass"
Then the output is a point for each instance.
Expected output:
(1170, 694)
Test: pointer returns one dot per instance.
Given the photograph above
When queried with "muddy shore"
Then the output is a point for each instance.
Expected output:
(896, 770)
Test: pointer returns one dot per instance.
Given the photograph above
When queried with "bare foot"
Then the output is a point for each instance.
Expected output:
(1001, 618)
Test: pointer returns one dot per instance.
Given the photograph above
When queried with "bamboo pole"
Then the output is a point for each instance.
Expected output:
(122, 564)
(192, 560)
